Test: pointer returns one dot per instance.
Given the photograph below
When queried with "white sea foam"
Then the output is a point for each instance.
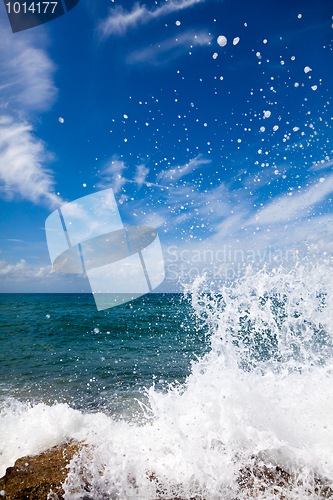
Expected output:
(28, 430)
(262, 395)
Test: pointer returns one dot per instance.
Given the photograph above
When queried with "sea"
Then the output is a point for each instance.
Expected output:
(214, 393)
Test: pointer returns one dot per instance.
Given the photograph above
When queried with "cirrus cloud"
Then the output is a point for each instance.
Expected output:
(169, 49)
(22, 157)
(26, 73)
(291, 207)
(120, 20)
(27, 85)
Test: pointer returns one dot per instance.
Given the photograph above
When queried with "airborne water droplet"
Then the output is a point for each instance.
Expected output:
(222, 41)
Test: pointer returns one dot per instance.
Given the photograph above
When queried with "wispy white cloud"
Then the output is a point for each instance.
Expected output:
(178, 205)
(222, 225)
(26, 75)
(169, 49)
(174, 174)
(112, 175)
(120, 20)
(22, 158)
(25, 277)
(141, 173)
(152, 206)
(191, 217)
(23, 271)
(321, 166)
(26, 72)
(296, 205)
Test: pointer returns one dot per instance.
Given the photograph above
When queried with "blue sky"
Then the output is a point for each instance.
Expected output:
(211, 120)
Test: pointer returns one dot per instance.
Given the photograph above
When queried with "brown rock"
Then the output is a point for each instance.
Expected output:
(261, 478)
(34, 477)
(40, 478)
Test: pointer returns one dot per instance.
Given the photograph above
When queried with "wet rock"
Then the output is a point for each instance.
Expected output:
(273, 481)
(38, 477)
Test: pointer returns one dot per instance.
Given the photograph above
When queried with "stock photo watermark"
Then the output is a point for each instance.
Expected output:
(26, 14)
(224, 263)
(87, 236)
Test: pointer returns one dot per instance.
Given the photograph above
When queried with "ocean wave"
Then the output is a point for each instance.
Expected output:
(254, 417)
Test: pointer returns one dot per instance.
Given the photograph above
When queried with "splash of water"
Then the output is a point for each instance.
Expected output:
(253, 419)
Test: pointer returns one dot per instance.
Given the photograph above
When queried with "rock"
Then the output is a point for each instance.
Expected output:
(40, 478)
(272, 480)
(35, 477)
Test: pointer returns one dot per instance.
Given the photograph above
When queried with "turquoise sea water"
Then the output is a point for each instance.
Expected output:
(59, 348)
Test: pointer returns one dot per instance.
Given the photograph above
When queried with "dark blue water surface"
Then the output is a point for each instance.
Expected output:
(58, 347)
